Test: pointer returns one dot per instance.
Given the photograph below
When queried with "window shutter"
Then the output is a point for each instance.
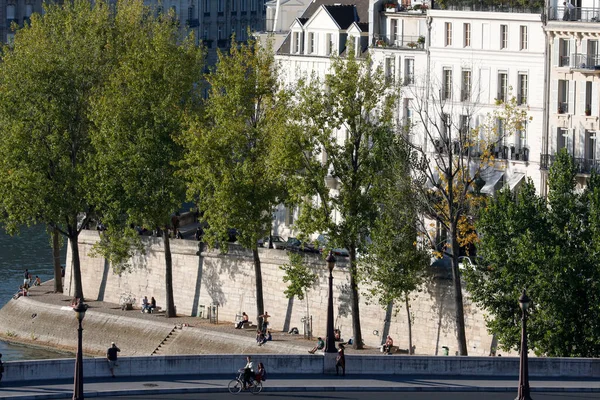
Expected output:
(571, 98)
(581, 97)
(555, 50)
(595, 89)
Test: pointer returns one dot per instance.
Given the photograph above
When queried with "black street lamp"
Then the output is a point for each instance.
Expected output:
(80, 310)
(330, 340)
(523, 393)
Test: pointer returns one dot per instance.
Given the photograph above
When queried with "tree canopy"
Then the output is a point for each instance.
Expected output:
(349, 148)
(232, 149)
(47, 80)
(551, 249)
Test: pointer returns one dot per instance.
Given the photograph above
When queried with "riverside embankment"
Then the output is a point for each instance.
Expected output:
(202, 278)
(46, 319)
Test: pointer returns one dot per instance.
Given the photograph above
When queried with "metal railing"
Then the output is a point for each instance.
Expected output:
(563, 107)
(584, 61)
(479, 6)
(402, 42)
(582, 165)
(579, 14)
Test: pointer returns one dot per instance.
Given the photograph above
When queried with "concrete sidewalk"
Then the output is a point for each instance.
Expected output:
(218, 384)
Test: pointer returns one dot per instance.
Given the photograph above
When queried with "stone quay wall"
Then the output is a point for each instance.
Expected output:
(227, 364)
(202, 278)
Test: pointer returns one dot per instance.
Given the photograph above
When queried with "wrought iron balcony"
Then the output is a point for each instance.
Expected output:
(582, 165)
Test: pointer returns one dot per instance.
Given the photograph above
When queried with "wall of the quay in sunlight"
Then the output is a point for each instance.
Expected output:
(211, 277)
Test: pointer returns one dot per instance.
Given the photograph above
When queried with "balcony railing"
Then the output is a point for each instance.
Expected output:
(193, 23)
(579, 14)
(563, 107)
(403, 42)
(582, 165)
(584, 61)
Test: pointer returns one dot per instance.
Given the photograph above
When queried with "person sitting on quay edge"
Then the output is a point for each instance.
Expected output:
(243, 321)
(387, 347)
(260, 337)
(320, 346)
(37, 281)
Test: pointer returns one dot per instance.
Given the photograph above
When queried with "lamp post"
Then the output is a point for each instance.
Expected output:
(523, 393)
(330, 340)
(80, 310)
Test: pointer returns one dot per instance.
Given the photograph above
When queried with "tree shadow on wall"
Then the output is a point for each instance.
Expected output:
(439, 288)
(211, 277)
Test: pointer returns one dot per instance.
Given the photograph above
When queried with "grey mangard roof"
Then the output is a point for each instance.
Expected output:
(362, 8)
(344, 12)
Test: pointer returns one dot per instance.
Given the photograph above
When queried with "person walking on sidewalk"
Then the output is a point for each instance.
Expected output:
(340, 361)
(111, 356)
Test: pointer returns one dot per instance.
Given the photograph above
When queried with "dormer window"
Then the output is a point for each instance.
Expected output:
(297, 42)
(311, 43)
(330, 45)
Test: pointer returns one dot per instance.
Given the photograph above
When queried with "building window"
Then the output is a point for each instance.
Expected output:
(233, 6)
(563, 51)
(447, 84)
(588, 98)
(206, 6)
(523, 37)
(464, 125)
(330, 45)
(563, 95)
(503, 36)
(205, 34)
(465, 92)
(394, 30)
(220, 6)
(467, 41)
(297, 42)
(244, 5)
(219, 32)
(409, 71)
(390, 69)
(311, 43)
(522, 89)
(448, 34)
(502, 86)
(521, 138)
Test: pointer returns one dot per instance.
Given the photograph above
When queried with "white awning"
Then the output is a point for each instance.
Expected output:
(515, 179)
(490, 182)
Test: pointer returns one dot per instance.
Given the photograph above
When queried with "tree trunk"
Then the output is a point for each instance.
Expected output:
(260, 306)
(170, 303)
(410, 345)
(458, 299)
(358, 342)
(58, 280)
(73, 236)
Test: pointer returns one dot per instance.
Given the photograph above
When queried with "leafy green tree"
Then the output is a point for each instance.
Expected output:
(232, 147)
(550, 248)
(47, 79)
(348, 144)
(138, 116)
(396, 261)
(298, 277)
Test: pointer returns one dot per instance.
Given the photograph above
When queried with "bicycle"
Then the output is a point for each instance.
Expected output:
(236, 385)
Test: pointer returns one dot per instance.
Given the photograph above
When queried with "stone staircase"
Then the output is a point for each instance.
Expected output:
(161, 349)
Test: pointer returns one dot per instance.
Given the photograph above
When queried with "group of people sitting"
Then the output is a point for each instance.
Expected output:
(262, 337)
(28, 281)
(148, 306)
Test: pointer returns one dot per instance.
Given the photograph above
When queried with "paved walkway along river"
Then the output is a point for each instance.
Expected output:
(218, 384)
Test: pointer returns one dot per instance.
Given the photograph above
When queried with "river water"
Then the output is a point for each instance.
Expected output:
(31, 249)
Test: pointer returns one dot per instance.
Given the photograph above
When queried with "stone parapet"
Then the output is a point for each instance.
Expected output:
(298, 365)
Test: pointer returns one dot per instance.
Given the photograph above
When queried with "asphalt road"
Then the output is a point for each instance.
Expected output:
(365, 396)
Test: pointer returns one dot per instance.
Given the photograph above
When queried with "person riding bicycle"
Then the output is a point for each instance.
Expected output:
(248, 372)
